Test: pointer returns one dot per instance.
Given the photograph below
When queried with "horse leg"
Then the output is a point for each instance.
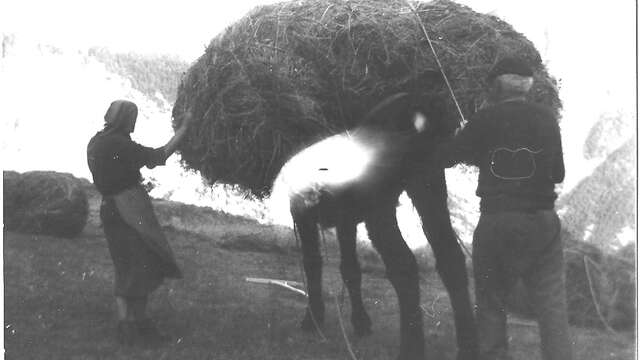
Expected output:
(307, 229)
(352, 276)
(428, 192)
(402, 271)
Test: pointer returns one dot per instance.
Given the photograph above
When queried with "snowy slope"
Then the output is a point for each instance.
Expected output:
(58, 97)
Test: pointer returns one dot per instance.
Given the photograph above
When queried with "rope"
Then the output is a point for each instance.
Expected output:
(466, 250)
(335, 298)
(340, 321)
(492, 162)
(433, 50)
(446, 80)
(304, 281)
(586, 261)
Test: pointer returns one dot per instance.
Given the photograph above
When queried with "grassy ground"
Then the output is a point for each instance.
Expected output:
(58, 302)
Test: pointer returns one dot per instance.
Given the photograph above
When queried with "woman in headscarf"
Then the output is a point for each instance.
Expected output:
(140, 252)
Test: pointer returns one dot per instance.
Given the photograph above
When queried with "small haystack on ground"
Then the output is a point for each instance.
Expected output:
(585, 287)
(600, 286)
(44, 202)
(291, 73)
(620, 270)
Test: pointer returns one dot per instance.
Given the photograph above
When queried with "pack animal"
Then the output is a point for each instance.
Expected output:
(385, 156)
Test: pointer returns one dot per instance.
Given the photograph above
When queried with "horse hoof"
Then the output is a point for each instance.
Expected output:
(361, 325)
(410, 356)
(412, 351)
(126, 333)
(364, 332)
(466, 355)
(312, 323)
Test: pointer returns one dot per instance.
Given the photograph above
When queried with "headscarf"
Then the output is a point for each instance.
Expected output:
(120, 115)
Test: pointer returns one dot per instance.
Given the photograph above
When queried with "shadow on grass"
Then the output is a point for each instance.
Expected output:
(257, 242)
(371, 262)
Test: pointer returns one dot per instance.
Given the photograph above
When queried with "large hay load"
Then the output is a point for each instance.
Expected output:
(44, 202)
(292, 73)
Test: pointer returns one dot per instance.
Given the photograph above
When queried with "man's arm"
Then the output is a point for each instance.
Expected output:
(464, 147)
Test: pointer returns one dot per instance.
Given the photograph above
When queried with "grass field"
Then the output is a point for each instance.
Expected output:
(58, 299)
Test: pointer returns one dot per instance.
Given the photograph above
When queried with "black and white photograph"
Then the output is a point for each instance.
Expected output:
(319, 179)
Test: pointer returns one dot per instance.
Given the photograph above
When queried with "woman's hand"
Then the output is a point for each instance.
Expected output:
(186, 120)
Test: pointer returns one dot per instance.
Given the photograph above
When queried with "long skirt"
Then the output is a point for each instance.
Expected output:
(138, 269)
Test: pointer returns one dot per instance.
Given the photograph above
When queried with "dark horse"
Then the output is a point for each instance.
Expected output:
(393, 129)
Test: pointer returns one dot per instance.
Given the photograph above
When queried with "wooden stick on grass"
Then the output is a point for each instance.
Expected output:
(289, 285)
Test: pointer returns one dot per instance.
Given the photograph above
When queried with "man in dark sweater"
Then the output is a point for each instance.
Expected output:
(517, 147)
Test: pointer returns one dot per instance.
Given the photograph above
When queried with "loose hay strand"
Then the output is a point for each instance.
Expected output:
(304, 281)
(435, 56)
(335, 297)
(342, 328)
(587, 261)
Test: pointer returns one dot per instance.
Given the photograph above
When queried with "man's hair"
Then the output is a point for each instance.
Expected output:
(509, 65)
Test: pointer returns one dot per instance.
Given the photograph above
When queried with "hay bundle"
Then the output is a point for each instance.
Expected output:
(44, 202)
(585, 287)
(291, 73)
(581, 303)
(600, 286)
(620, 270)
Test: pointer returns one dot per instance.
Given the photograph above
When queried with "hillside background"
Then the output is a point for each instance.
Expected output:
(59, 95)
